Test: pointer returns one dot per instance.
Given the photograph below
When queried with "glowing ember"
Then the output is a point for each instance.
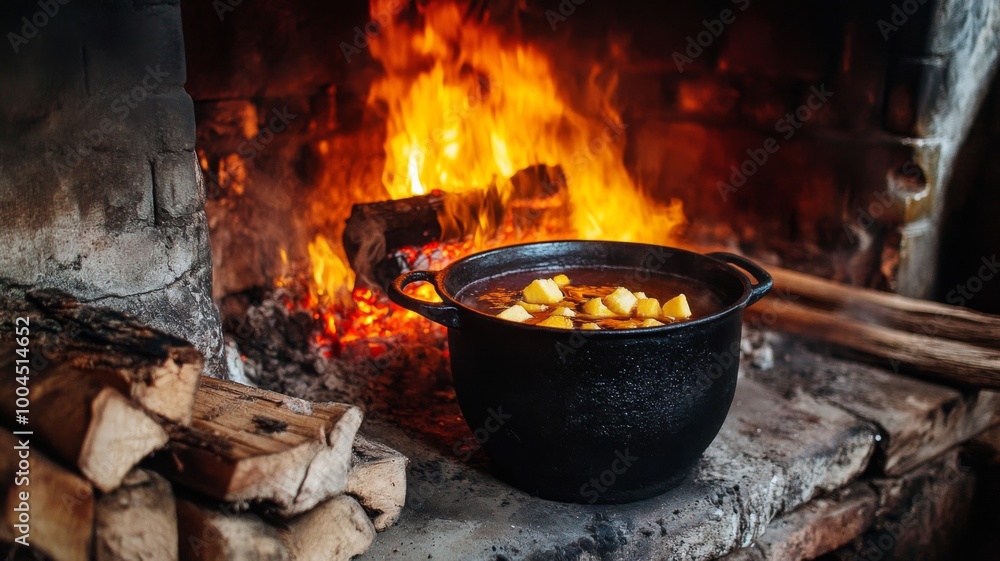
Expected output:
(467, 107)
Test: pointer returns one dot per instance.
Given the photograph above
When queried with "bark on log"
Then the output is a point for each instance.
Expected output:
(61, 503)
(84, 423)
(336, 530)
(158, 371)
(378, 481)
(935, 358)
(138, 521)
(891, 310)
(247, 444)
(209, 534)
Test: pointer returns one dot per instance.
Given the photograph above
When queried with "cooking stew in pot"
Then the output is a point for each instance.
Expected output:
(592, 299)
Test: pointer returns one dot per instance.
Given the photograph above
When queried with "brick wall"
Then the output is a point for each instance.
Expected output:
(725, 105)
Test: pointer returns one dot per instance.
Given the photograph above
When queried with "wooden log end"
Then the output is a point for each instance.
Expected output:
(336, 530)
(120, 435)
(214, 534)
(378, 481)
(137, 521)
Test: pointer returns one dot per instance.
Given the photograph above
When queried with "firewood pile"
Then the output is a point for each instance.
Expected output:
(132, 454)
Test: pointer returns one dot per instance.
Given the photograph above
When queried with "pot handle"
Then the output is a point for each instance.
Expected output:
(445, 314)
(763, 278)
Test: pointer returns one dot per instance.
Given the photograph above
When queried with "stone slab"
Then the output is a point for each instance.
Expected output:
(773, 454)
(918, 420)
(817, 527)
(923, 515)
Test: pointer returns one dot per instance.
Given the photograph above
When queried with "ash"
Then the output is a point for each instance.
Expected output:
(285, 348)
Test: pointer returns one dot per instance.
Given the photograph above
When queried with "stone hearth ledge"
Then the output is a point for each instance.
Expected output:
(774, 453)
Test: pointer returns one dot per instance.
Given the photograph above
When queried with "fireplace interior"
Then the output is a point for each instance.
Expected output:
(243, 180)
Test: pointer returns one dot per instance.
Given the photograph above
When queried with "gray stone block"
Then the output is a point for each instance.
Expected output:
(177, 186)
(175, 123)
(774, 453)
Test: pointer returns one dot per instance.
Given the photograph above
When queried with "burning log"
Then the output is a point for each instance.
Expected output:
(376, 231)
(208, 534)
(59, 505)
(84, 422)
(337, 530)
(156, 370)
(251, 445)
(373, 229)
(378, 481)
(137, 521)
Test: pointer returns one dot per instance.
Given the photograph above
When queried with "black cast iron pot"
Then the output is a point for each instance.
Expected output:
(593, 416)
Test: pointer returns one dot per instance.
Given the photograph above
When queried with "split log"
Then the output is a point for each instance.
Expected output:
(891, 310)
(160, 372)
(250, 445)
(336, 530)
(208, 534)
(378, 481)
(61, 515)
(935, 358)
(137, 521)
(85, 423)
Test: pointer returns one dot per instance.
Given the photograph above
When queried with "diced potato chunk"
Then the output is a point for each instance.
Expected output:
(648, 308)
(532, 307)
(589, 326)
(515, 313)
(596, 307)
(563, 311)
(562, 322)
(640, 295)
(561, 280)
(621, 301)
(650, 322)
(677, 307)
(542, 291)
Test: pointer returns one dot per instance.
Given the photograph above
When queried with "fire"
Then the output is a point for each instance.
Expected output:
(485, 107)
(467, 107)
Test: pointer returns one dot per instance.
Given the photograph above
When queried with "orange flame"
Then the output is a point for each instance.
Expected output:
(466, 109)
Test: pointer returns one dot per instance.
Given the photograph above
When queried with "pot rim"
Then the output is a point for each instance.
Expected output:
(749, 290)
